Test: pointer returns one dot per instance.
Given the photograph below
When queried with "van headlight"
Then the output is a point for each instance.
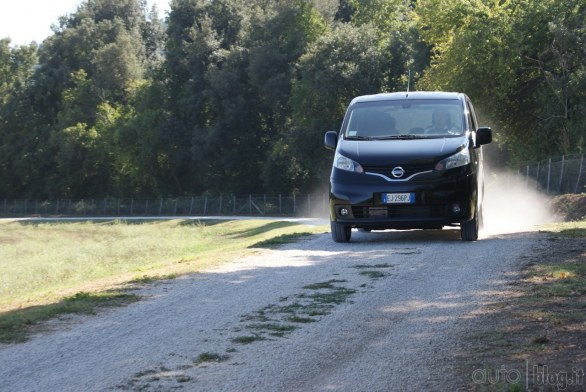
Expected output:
(461, 158)
(343, 163)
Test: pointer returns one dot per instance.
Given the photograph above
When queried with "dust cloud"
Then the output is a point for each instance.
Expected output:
(320, 206)
(513, 204)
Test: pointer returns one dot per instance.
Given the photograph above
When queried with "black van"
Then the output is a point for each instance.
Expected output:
(408, 160)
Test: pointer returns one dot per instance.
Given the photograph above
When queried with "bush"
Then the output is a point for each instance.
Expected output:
(571, 207)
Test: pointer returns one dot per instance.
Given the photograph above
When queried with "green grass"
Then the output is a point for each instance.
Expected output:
(324, 285)
(281, 240)
(16, 325)
(302, 320)
(273, 327)
(373, 274)
(567, 279)
(45, 264)
(294, 311)
(247, 339)
(571, 229)
(210, 357)
(337, 296)
(41, 261)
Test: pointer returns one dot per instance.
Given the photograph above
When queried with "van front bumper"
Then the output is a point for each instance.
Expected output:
(440, 199)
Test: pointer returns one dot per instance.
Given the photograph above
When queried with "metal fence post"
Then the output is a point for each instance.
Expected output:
(161, 207)
(537, 175)
(548, 174)
(579, 174)
(561, 174)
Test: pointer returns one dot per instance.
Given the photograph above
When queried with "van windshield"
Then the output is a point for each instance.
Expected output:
(405, 119)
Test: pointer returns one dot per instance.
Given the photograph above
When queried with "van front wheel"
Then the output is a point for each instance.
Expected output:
(469, 230)
(340, 232)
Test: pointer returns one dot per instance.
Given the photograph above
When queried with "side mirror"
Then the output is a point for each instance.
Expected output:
(331, 140)
(483, 136)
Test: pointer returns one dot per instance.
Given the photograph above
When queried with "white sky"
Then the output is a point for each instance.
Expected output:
(25, 21)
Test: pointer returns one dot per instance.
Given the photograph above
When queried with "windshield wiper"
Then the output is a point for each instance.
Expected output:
(401, 137)
(358, 138)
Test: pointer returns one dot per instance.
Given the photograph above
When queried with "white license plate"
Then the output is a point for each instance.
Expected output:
(398, 198)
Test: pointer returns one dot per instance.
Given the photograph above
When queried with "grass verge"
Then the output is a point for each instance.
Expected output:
(16, 325)
(52, 268)
(534, 338)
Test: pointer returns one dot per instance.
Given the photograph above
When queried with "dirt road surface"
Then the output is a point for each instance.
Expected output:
(382, 313)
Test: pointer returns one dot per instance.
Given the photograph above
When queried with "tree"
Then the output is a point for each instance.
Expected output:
(340, 65)
(516, 59)
(22, 142)
(87, 68)
(117, 65)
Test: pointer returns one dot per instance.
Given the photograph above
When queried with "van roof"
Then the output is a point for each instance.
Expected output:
(408, 95)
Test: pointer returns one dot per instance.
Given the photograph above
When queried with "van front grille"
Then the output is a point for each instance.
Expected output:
(410, 169)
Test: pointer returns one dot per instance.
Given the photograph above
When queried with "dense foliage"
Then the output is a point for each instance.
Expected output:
(233, 96)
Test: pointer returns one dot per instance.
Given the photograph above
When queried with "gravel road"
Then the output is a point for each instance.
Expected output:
(382, 313)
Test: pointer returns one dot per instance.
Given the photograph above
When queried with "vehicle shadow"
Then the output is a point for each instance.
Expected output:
(451, 234)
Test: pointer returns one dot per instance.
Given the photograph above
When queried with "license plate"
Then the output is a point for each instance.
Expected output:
(398, 198)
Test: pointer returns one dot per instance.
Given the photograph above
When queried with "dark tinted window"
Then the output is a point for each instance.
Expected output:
(472, 117)
(433, 118)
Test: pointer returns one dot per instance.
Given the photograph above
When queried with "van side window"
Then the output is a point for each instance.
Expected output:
(471, 117)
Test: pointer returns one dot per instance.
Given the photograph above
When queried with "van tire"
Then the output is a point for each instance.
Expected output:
(469, 230)
(340, 232)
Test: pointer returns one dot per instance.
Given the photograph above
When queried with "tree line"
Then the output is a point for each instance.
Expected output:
(233, 96)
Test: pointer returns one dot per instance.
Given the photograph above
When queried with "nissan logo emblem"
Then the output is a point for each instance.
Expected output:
(398, 172)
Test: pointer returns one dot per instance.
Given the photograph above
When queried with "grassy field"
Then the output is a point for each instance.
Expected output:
(52, 268)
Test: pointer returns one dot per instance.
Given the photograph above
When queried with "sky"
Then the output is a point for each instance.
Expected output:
(25, 21)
